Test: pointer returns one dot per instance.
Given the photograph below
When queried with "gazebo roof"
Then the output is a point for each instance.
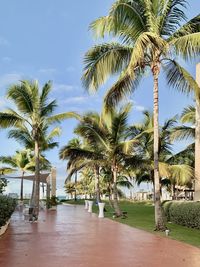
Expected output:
(43, 177)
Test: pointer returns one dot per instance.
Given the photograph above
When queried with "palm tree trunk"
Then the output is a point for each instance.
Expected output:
(159, 220)
(197, 140)
(75, 183)
(117, 209)
(22, 187)
(37, 180)
(109, 195)
(97, 188)
(173, 190)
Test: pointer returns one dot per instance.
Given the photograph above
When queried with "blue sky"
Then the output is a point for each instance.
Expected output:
(46, 40)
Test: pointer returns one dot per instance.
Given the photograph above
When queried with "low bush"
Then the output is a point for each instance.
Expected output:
(7, 206)
(183, 213)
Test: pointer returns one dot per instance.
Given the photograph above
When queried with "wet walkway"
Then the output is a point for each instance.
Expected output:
(71, 237)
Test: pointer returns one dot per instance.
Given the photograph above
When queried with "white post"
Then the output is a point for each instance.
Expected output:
(90, 206)
(86, 204)
(101, 209)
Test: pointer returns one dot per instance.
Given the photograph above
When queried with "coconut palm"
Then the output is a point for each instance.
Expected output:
(22, 161)
(172, 171)
(35, 112)
(109, 137)
(79, 156)
(151, 34)
(70, 188)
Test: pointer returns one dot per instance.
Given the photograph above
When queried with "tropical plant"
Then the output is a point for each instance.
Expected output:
(80, 155)
(106, 135)
(4, 170)
(70, 188)
(151, 35)
(35, 112)
(173, 172)
(22, 161)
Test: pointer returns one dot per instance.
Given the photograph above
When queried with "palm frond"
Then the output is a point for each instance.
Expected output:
(182, 132)
(188, 115)
(179, 78)
(172, 16)
(9, 120)
(104, 60)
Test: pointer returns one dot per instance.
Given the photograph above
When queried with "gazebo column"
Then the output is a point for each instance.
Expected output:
(48, 194)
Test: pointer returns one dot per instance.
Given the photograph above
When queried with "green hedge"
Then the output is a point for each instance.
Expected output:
(7, 206)
(183, 213)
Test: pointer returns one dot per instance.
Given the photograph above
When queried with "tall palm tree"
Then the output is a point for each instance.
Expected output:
(113, 150)
(34, 111)
(151, 34)
(73, 143)
(22, 161)
(172, 171)
(81, 155)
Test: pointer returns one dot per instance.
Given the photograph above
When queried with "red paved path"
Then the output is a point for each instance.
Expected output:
(71, 237)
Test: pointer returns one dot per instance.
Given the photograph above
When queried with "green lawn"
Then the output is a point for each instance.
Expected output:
(141, 215)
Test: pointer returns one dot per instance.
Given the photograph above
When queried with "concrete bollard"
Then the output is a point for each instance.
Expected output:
(90, 206)
(101, 210)
(166, 232)
(86, 204)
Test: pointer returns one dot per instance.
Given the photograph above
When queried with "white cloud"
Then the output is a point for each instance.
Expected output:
(136, 106)
(70, 69)
(9, 78)
(47, 70)
(75, 99)
(3, 103)
(4, 41)
(139, 108)
(63, 87)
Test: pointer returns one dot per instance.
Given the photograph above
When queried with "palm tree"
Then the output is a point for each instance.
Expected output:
(172, 171)
(79, 156)
(108, 138)
(34, 112)
(70, 188)
(23, 161)
(151, 34)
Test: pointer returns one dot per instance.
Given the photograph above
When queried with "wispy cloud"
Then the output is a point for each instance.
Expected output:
(47, 70)
(3, 103)
(88, 99)
(139, 108)
(63, 87)
(70, 69)
(75, 99)
(9, 78)
(4, 41)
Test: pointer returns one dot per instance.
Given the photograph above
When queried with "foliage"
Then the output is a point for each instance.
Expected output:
(53, 201)
(30, 122)
(7, 207)
(146, 33)
(183, 213)
(3, 183)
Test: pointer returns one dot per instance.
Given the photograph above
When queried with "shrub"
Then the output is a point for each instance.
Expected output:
(7, 206)
(53, 201)
(183, 213)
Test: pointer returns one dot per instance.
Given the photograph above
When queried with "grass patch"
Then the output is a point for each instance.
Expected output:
(141, 216)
